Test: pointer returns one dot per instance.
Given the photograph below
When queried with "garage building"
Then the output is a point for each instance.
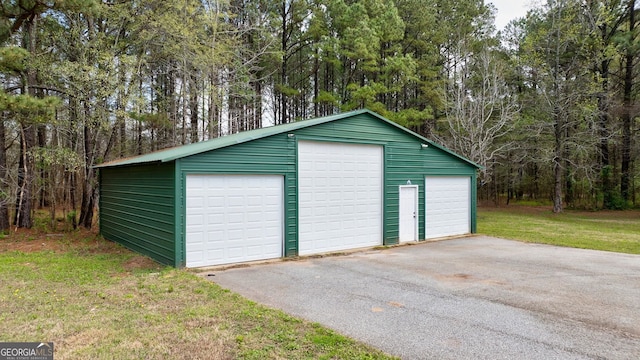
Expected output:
(328, 184)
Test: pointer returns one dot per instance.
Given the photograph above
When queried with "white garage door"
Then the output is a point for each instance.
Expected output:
(233, 218)
(340, 196)
(448, 206)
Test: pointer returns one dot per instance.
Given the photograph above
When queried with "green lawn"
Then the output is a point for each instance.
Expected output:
(617, 231)
(96, 300)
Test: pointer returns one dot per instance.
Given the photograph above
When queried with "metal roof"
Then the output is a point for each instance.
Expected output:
(182, 151)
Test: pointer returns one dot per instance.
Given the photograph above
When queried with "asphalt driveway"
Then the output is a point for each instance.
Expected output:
(468, 298)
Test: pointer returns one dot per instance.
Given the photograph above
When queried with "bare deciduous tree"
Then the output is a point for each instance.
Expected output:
(482, 110)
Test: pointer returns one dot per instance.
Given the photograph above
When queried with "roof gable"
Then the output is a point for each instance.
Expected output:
(171, 154)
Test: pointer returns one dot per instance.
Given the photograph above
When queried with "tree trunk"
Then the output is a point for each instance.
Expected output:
(569, 191)
(316, 83)
(184, 103)
(4, 198)
(138, 125)
(25, 177)
(625, 168)
(170, 94)
(88, 189)
(214, 118)
(603, 121)
(257, 104)
(88, 200)
(193, 107)
(121, 124)
(557, 164)
(26, 167)
(283, 68)
(43, 195)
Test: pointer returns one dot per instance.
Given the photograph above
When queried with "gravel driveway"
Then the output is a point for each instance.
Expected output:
(468, 298)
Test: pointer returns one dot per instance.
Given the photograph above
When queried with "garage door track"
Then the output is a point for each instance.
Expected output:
(468, 298)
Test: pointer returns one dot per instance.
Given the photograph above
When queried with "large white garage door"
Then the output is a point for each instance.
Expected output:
(340, 196)
(448, 206)
(233, 218)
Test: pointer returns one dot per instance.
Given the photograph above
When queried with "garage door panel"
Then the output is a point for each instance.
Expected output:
(244, 218)
(448, 206)
(254, 250)
(198, 246)
(340, 190)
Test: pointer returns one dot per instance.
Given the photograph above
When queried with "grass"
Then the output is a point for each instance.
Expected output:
(617, 231)
(94, 299)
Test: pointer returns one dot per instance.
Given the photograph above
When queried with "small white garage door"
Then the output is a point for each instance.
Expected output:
(448, 206)
(233, 218)
(340, 196)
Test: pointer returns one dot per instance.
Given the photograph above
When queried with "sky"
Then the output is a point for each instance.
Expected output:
(509, 10)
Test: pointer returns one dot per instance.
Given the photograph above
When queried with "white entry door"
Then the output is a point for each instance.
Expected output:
(448, 206)
(233, 218)
(408, 213)
(340, 196)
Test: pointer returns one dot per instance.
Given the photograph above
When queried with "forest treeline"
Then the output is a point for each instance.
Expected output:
(548, 105)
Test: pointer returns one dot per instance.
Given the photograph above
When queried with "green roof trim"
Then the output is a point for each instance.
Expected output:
(183, 151)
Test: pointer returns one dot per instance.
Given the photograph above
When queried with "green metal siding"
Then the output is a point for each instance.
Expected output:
(180, 213)
(137, 209)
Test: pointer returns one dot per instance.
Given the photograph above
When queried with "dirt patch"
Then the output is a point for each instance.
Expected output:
(79, 241)
(395, 304)
(30, 240)
(84, 338)
(140, 263)
(462, 276)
